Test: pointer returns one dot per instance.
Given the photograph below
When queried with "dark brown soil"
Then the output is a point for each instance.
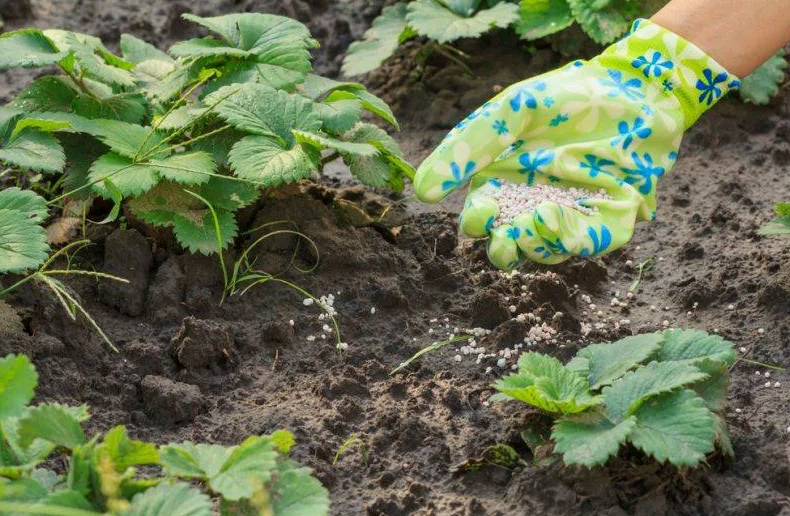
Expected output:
(190, 368)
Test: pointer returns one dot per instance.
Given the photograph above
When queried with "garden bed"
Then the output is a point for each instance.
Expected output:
(407, 281)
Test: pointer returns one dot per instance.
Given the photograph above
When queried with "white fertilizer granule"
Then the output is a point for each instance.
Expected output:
(517, 198)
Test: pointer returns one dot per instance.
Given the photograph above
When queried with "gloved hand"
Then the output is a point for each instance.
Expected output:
(614, 122)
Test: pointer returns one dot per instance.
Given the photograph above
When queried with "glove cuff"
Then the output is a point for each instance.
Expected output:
(675, 67)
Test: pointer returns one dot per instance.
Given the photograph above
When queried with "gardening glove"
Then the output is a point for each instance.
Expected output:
(613, 123)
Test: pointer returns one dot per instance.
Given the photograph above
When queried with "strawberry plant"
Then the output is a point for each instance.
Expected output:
(188, 137)
(781, 224)
(102, 474)
(444, 21)
(441, 21)
(664, 393)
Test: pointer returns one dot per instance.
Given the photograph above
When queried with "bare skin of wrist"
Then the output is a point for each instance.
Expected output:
(739, 34)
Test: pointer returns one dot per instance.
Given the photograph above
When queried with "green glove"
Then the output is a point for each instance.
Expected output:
(612, 123)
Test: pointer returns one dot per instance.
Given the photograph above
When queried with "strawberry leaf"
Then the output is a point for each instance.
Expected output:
(27, 48)
(18, 380)
(130, 178)
(608, 362)
(261, 110)
(543, 382)
(379, 42)
(590, 439)
(675, 427)
(52, 423)
(170, 500)
(432, 19)
(541, 18)
(265, 161)
(625, 396)
(760, 86)
(32, 149)
(603, 25)
(234, 472)
(694, 346)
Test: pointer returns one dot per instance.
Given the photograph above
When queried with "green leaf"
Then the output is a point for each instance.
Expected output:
(279, 46)
(127, 107)
(18, 378)
(8, 119)
(45, 126)
(378, 43)
(23, 243)
(200, 235)
(778, 226)
(464, 8)
(540, 18)
(676, 427)
(219, 145)
(693, 346)
(323, 142)
(714, 388)
(340, 112)
(265, 161)
(233, 472)
(32, 149)
(202, 47)
(602, 25)
(543, 382)
(70, 499)
(189, 168)
(626, 395)
(194, 461)
(95, 66)
(126, 139)
(50, 93)
(136, 50)
(722, 435)
(375, 171)
(228, 193)
(282, 440)
(589, 439)
(608, 362)
(51, 423)
(760, 86)
(26, 201)
(181, 117)
(298, 493)
(783, 209)
(261, 110)
(170, 500)
(130, 178)
(27, 48)
(126, 452)
(376, 106)
(430, 18)
(316, 86)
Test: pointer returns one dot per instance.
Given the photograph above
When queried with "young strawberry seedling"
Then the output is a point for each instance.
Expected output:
(102, 474)
(664, 393)
(780, 226)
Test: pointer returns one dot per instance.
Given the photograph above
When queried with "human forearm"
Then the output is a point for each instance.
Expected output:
(739, 34)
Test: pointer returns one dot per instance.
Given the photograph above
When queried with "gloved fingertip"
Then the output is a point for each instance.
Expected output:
(478, 216)
(427, 187)
(503, 252)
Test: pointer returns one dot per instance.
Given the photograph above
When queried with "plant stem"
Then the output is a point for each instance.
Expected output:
(428, 349)
(329, 158)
